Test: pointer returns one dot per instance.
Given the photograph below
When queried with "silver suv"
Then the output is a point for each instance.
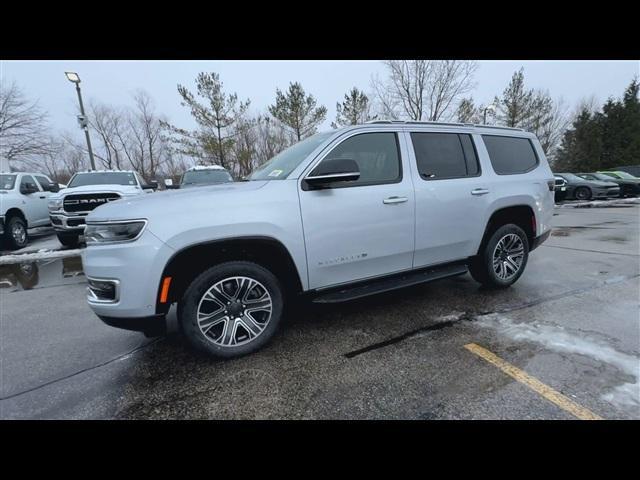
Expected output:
(338, 216)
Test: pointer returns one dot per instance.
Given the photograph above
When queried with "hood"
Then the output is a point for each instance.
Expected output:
(602, 183)
(123, 189)
(177, 202)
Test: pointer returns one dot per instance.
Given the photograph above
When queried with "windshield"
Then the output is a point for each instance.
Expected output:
(570, 177)
(626, 175)
(193, 177)
(7, 182)
(280, 166)
(102, 178)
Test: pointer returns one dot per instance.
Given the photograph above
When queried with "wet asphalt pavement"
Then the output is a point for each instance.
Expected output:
(572, 321)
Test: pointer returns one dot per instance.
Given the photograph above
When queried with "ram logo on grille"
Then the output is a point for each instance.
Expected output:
(87, 202)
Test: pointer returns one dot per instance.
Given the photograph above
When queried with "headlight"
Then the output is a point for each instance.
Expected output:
(55, 204)
(101, 233)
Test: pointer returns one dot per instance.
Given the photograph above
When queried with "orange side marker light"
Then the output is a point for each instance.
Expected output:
(164, 293)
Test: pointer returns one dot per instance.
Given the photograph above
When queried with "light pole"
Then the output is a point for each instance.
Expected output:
(82, 119)
(489, 108)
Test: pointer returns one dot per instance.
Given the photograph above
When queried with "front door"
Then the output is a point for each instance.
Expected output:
(361, 229)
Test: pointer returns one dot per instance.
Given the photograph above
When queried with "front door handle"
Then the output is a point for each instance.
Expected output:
(43, 197)
(479, 191)
(392, 200)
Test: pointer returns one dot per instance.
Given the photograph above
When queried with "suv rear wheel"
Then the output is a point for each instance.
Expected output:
(231, 309)
(502, 259)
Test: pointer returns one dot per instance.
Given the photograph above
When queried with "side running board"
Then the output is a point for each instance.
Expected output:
(390, 283)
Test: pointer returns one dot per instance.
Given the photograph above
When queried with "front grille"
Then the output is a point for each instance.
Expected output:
(75, 222)
(87, 201)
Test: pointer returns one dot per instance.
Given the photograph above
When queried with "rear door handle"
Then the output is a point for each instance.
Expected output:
(479, 191)
(391, 200)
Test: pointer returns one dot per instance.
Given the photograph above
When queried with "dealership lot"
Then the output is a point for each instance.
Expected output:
(445, 350)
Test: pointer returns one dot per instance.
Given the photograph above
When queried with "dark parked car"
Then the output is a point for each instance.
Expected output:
(583, 189)
(628, 187)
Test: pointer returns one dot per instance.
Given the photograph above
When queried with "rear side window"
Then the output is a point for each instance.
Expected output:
(510, 155)
(444, 155)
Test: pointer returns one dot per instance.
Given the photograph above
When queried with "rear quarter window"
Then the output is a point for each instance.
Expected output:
(510, 155)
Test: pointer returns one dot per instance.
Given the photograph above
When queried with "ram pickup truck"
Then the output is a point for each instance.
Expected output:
(337, 216)
(86, 191)
(23, 205)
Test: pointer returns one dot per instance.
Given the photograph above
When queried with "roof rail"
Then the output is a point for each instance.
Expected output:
(451, 124)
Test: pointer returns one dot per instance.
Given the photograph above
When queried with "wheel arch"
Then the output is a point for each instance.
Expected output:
(522, 215)
(187, 263)
(14, 211)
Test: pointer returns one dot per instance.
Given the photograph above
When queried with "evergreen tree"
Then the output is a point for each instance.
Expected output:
(467, 111)
(216, 116)
(581, 148)
(516, 102)
(298, 111)
(621, 129)
(354, 110)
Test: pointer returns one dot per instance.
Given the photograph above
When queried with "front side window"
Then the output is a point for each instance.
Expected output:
(27, 179)
(444, 155)
(44, 183)
(510, 155)
(377, 156)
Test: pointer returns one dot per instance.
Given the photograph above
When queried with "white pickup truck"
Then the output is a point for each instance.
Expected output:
(23, 205)
(86, 191)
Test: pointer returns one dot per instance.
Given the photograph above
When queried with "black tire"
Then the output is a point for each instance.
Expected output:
(582, 193)
(481, 267)
(16, 233)
(70, 240)
(188, 309)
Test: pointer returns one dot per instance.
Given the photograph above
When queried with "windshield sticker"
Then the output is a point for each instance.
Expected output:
(275, 173)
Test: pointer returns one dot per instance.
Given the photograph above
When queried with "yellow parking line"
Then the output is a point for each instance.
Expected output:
(534, 384)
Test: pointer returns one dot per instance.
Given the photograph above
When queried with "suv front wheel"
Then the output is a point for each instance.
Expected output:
(231, 309)
(502, 259)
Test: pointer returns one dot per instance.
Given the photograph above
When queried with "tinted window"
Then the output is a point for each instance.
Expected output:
(444, 155)
(376, 154)
(27, 179)
(510, 155)
(44, 183)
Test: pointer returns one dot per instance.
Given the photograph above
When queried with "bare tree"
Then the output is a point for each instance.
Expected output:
(23, 125)
(423, 89)
(107, 121)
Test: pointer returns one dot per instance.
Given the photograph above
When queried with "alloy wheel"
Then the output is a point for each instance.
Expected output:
(234, 311)
(507, 256)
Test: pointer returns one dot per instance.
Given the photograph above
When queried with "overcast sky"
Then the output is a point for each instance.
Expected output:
(114, 81)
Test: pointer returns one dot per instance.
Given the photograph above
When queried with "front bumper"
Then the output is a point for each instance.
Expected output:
(136, 267)
(63, 222)
(154, 325)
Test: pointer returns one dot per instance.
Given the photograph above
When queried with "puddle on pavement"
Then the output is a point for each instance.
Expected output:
(41, 273)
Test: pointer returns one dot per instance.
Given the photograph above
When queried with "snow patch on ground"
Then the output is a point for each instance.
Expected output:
(559, 339)
(600, 203)
(42, 254)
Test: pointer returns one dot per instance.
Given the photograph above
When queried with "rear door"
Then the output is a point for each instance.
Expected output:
(451, 195)
(365, 228)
